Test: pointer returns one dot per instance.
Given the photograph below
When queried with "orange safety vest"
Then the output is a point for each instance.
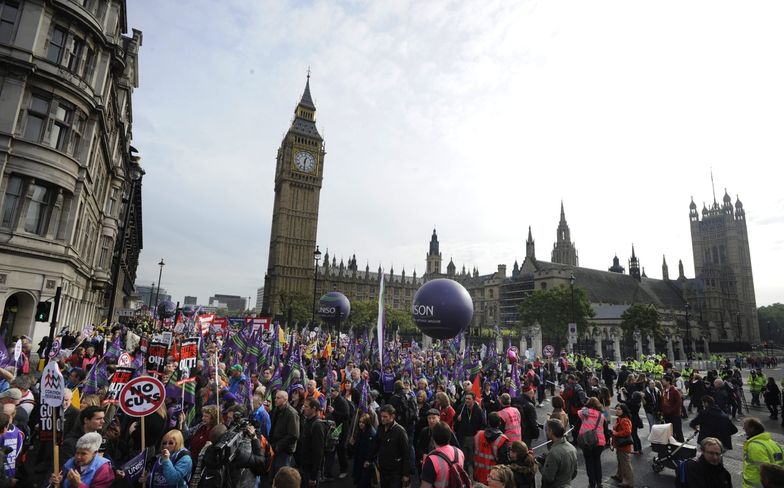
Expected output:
(486, 455)
(511, 418)
(440, 465)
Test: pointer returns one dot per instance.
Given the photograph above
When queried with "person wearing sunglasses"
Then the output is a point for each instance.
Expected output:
(172, 467)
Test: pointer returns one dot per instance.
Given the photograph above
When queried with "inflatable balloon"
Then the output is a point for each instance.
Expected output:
(442, 308)
(511, 354)
(334, 305)
(188, 311)
(166, 309)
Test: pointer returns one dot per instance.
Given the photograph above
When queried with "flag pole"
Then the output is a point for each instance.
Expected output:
(217, 387)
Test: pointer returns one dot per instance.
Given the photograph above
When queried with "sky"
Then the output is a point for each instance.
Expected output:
(477, 118)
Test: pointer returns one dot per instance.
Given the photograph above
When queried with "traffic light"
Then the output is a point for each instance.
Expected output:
(42, 311)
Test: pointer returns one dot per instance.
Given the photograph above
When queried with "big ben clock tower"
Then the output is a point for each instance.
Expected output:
(298, 175)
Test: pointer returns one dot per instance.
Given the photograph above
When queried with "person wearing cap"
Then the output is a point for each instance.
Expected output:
(85, 469)
(9, 399)
(425, 442)
(236, 379)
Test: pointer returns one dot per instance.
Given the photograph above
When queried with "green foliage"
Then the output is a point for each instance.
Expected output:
(301, 305)
(643, 318)
(552, 308)
(364, 314)
(771, 323)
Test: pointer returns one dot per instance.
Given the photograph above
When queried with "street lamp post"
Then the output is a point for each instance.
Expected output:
(317, 258)
(135, 173)
(158, 290)
(571, 285)
(688, 332)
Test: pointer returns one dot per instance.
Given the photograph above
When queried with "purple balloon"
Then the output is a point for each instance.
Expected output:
(333, 305)
(188, 311)
(442, 308)
(166, 309)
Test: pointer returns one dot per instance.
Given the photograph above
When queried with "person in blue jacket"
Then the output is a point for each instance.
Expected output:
(173, 466)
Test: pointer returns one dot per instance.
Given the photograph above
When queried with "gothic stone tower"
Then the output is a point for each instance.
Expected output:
(722, 265)
(433, 257)
(298, 177)
(564, 251)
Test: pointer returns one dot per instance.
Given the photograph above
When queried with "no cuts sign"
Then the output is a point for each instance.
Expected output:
(142, 396)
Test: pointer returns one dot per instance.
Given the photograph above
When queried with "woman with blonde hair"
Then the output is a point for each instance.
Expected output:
(172, 467)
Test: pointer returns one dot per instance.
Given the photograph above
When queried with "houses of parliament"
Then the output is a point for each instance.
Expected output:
(717, 305)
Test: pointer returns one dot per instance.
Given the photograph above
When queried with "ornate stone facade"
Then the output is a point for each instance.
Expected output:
(67, 74)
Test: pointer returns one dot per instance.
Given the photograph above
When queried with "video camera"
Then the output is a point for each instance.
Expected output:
(227, 447)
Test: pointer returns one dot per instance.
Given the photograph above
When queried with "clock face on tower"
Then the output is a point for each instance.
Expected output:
(304, 161)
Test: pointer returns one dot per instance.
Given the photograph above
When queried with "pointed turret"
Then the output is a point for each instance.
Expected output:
(665, 270)
(450, 268)
(433, 258)
(564, 251)
(693, 216)
(530, 247)
(307, 100)
(681, 274)
(634, 266)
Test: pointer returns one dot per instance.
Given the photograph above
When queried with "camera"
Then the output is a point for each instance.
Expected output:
(227, 447)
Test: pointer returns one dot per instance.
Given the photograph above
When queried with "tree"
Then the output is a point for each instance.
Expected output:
(771, 323)
(642, 318)
(552, 309)
(363, 314)
(299, 304)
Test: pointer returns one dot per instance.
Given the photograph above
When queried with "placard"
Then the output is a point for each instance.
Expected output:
(189, 350)
(156, 357)
(120, 378)
(45, 434)
(142, 396)
(52, 385)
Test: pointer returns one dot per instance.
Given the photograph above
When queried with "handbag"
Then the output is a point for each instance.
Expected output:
(624, 441)
(589, 439)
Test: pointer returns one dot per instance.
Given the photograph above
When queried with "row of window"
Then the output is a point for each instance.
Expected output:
(54, 122)
(38, 208)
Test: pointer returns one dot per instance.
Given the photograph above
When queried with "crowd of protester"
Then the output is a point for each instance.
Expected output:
(424, 417)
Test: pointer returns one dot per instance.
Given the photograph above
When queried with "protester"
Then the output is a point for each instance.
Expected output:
(592, 424)
(523, 465)
(390, 451)
(490, 447)
(712, 422)
(285, 431)
(310, 445)
(85, 469)
(511, 417)
(707, 471)
(528, 422)
(425, 442)
(435, 468)
(622, 443)
(363, 442)
(172, 467)
(671, 406)
(501, 477)
(560, 464)
(287, 478)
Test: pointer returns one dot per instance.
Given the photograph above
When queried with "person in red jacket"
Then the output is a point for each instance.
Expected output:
(445, 409)
(622, 443)
(671, 404)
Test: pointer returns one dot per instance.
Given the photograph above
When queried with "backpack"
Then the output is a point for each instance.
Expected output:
(680, 474)
(410, 411)
(269, 457)
(456, 476)
(589, 439)
(332, 435)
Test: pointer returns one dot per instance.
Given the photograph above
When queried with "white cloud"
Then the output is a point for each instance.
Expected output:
(476, 117)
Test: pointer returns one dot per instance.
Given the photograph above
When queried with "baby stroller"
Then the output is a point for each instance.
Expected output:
(669, 452)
